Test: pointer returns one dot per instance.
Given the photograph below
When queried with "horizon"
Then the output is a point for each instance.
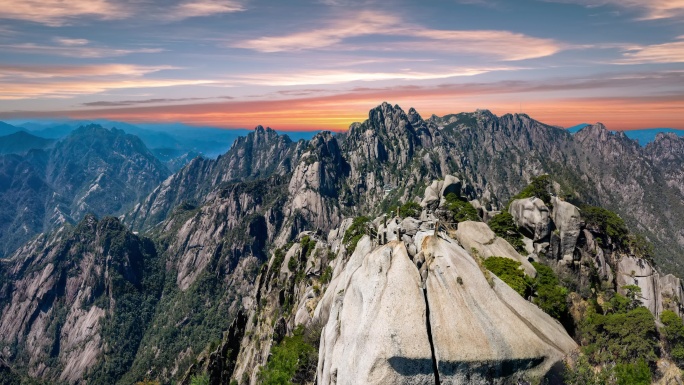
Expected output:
(322, 64)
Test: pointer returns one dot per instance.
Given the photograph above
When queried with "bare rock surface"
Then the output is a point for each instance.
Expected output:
(568, 222)
(532, 216)
(388, 323)
(478, 236)
(479, 329)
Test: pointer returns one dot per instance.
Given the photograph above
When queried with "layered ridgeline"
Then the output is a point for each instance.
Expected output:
(258, 259)
(93, 170)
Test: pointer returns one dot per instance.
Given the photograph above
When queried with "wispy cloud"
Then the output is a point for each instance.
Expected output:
(60, 12)
(24, 82)
(338, 77)
(56, 71)
(200, 8)
(79, 51)
(650, 9)
(672, 52)
(503, 45)
(70, 42)
(121, 103)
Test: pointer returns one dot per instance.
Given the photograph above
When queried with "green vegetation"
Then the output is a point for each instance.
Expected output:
(308, 245)
(355, 232)
(539, 187)
(622, 335)
(633, 373)
(673, 333)
(408, 209)
(606, 222)
(641, 247)
(509, 271)
(327, 275)
(200, 379)
(503, 225)
(136, 277)
(460, 210)
(550, 295)
(293, 361)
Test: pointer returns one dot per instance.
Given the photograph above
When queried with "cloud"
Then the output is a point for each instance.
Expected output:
(204, 8)
(672, 52)
(338, 77)
(25, 82)
(70, 42)
(650, 9)
(502, 44)
(122, 103)
(81, 51)
(59, 12)
(50, 71)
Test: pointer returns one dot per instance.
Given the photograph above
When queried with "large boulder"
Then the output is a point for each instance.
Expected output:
(451, 185)
(568, 222)
(438, 190)
(483, 331)
(432, 196)
(477, 235)
(658, 292)
(532, 216)
(388, 325)
(376, 330)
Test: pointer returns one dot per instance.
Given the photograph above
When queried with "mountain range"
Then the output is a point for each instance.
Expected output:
(356, 251)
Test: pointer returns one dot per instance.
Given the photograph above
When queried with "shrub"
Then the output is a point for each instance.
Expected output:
(503, 225)
(621, 336)
(539, 187)
(327, 275)
(293, 361)
(550, 295)
(460, 209)
(509, 271)
(633, 373)
(606, 222)
(673, 332)
(410, 209)
(200, 379)
(355, 232)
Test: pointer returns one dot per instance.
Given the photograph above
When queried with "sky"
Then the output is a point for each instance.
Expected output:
(323, 64)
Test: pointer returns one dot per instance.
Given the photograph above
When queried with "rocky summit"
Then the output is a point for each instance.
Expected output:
(464, 249)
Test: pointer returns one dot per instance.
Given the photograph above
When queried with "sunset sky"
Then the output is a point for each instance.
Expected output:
(322, 64)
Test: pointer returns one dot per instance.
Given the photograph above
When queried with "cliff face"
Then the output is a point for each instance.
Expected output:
(260, 154)
(65, 299)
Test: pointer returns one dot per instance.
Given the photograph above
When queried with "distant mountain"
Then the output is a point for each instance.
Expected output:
(21, 141)
(6, 129)
(182, 140)
(644, 136)
(648, 135)
(93, 170)
(575, 129)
